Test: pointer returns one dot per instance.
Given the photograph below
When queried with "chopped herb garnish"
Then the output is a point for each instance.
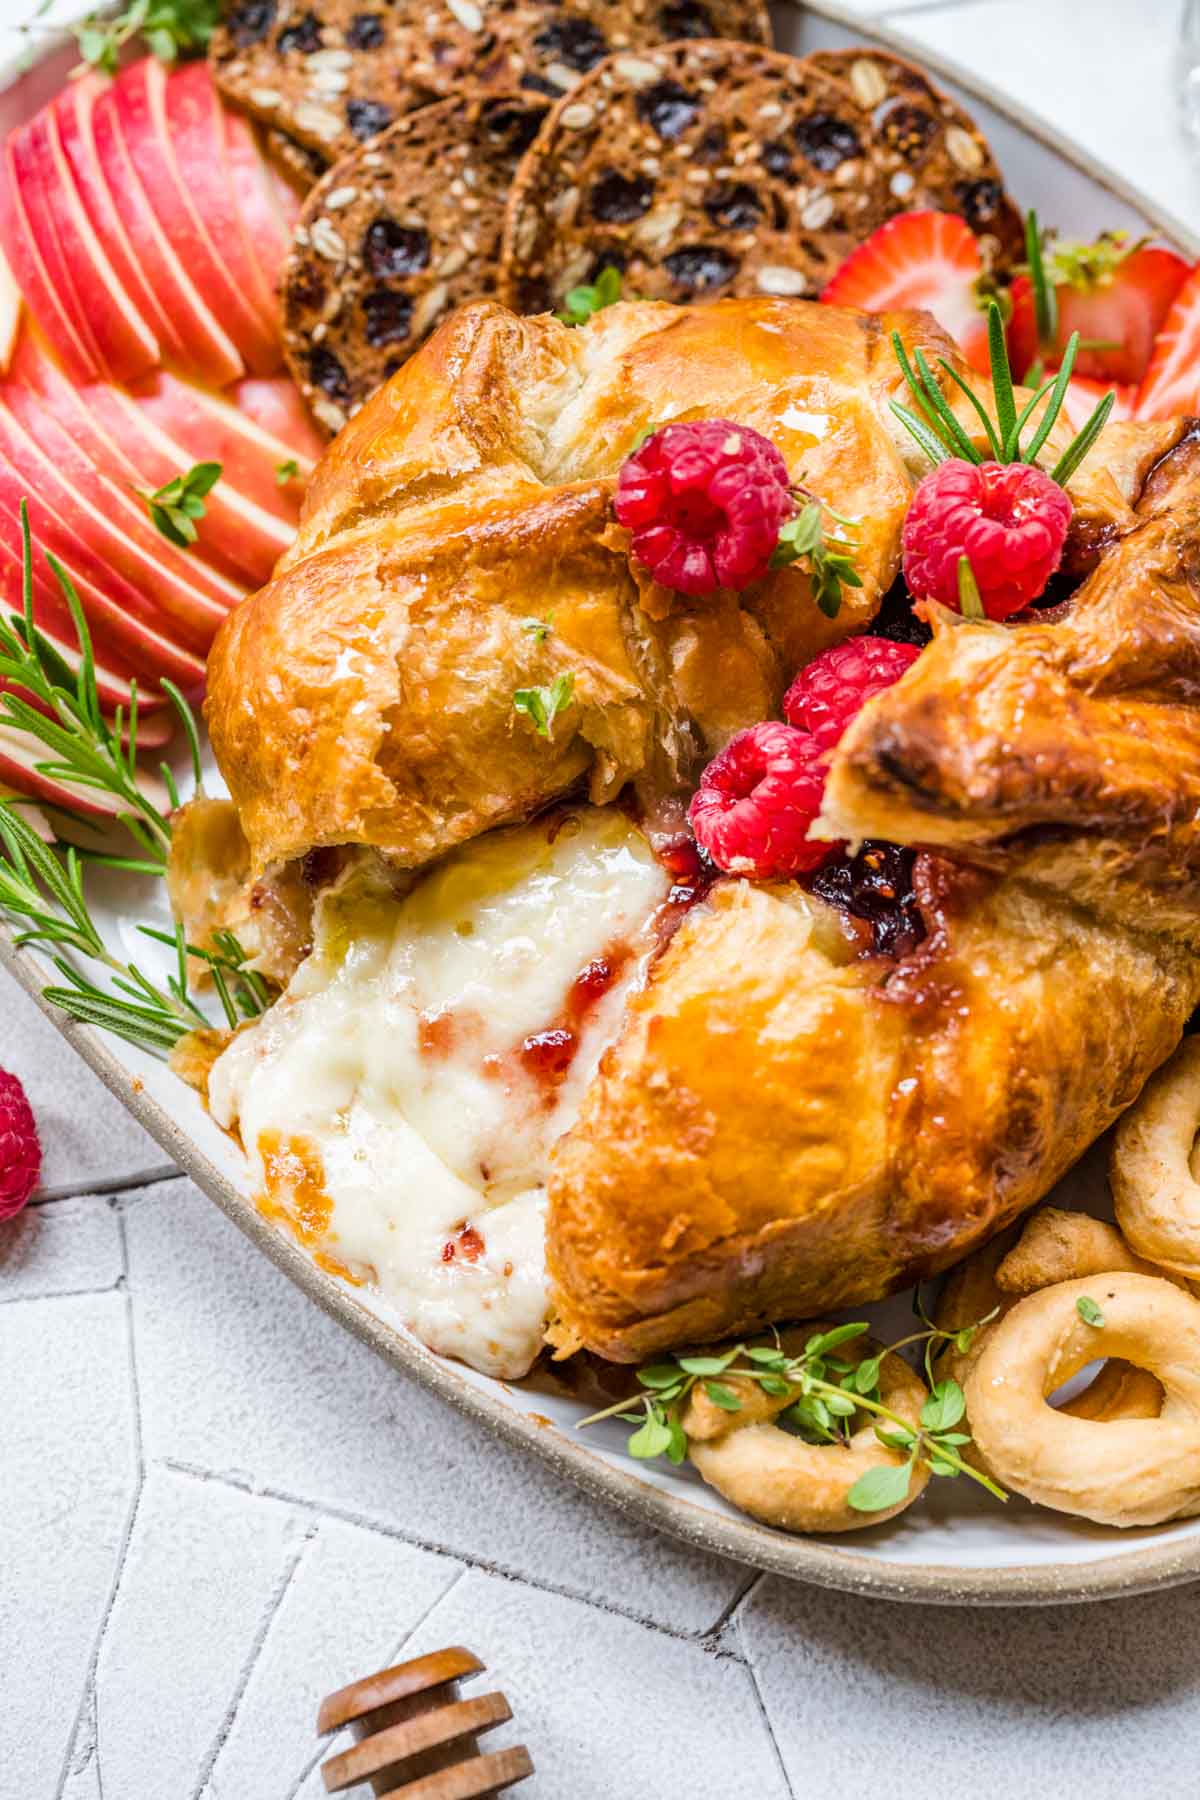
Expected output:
(830, 557)
(175, 507)
(582, 302)
(543, 704)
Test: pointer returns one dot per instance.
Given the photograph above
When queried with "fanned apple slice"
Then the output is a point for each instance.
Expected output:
(118, 613)
(188, 111)
(75, 410)
(235, 535)
(10, 314)
(266, 223)
(72, 110)
(114, 524)
(277, 407)
(207, 349)
(26, 262)
(39, 211)
(126, 345)
(207, 427)
(180, 190)
(50, 615)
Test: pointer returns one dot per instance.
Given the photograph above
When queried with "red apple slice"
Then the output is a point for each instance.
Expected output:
(235, 535)
(117, 527)
(74, 411)
(20, 754)
(126, 345)
(119, 613)
(27, 172)
(73, 110)
(140, 97)
(185, 107)
(207, 349)
(50, 615)
(10, 314)
(25, 260)
(278, 408)
(207, 426)
(266, 229)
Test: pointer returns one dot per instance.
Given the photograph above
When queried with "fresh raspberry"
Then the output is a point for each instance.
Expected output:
(828, 693)
(1008, 519)
(704, 502)
(757, 799)
(20, 1151)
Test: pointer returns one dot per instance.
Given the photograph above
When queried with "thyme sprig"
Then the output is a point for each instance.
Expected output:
(178, 503)
(171, 28)
(940, 434)
(825, 1394)
(542, 705)
(592, 297)
(42, 885)
(829, 554)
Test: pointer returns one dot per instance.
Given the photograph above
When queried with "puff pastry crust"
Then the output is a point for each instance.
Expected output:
(365, 694)
(782, 1126)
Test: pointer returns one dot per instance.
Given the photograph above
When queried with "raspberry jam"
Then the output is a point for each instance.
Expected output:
(876, 886)
(465, 1244)
(547, 1055)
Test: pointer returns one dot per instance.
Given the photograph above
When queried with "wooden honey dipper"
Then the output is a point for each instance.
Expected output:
(416, 1739)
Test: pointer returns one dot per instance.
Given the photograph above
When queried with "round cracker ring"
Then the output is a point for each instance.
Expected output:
(1155, 1189)
(1053, 1246)
(780, 1479)
(1120, 1471)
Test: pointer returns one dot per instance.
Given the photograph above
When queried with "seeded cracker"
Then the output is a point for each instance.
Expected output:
(332, 73)
(706, 169)
(395, 236)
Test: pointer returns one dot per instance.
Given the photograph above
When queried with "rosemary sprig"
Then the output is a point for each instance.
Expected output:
(940, 434)
(826, 1393)
(41, 886)
(830, 555)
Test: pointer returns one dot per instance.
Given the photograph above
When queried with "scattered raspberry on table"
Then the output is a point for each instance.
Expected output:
(20, 1148)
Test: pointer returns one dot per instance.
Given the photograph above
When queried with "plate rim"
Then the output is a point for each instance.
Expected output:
(817, 1561)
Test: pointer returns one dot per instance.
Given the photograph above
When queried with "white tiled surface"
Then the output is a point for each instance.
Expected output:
(214, 1506)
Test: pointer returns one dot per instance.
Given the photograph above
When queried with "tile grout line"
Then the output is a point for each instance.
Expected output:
(393, 1654)
(106, 1184)
(126, 1534)
(752, 1672)
(113, 1287)
(700, 1640)
(258, 1643)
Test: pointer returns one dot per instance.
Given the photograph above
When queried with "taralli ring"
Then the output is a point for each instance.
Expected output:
(1154, 1185)
(780, 1479)
(1127, 1471)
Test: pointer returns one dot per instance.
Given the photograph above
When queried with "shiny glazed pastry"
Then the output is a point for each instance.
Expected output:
(785, 1124)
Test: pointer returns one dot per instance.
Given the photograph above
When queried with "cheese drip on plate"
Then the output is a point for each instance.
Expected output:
(399, 1102)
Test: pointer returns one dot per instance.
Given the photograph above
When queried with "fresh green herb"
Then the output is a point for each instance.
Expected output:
(830, 556)
(1088, 1311)
(543, 704)
(41, 885)
(940, 434)
(582, 302)
(826, 1394)
(1045, 294)
(171, 29)
(175, 507)
(286, 471)
(970, 600)
(539, 629)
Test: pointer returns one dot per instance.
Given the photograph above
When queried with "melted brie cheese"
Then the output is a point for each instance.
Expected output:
(425, 1058)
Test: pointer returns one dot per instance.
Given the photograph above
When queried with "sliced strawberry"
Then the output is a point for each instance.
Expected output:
(928, 260)
(1114, 296)
(1084, 395)
(1172, 382)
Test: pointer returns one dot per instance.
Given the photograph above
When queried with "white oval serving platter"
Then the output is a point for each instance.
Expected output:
(953, 1546)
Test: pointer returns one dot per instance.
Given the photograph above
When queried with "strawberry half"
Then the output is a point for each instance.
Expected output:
(1172, 383)
(928, 260)
(1116, 296)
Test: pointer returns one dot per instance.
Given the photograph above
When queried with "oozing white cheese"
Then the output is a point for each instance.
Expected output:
(399, 1102)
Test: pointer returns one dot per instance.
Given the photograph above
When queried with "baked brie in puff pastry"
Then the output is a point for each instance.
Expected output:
(774, 1112)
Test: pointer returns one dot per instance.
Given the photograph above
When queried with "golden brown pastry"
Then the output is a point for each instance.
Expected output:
(785, 1124)
(365, 695)
(778, 1132)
